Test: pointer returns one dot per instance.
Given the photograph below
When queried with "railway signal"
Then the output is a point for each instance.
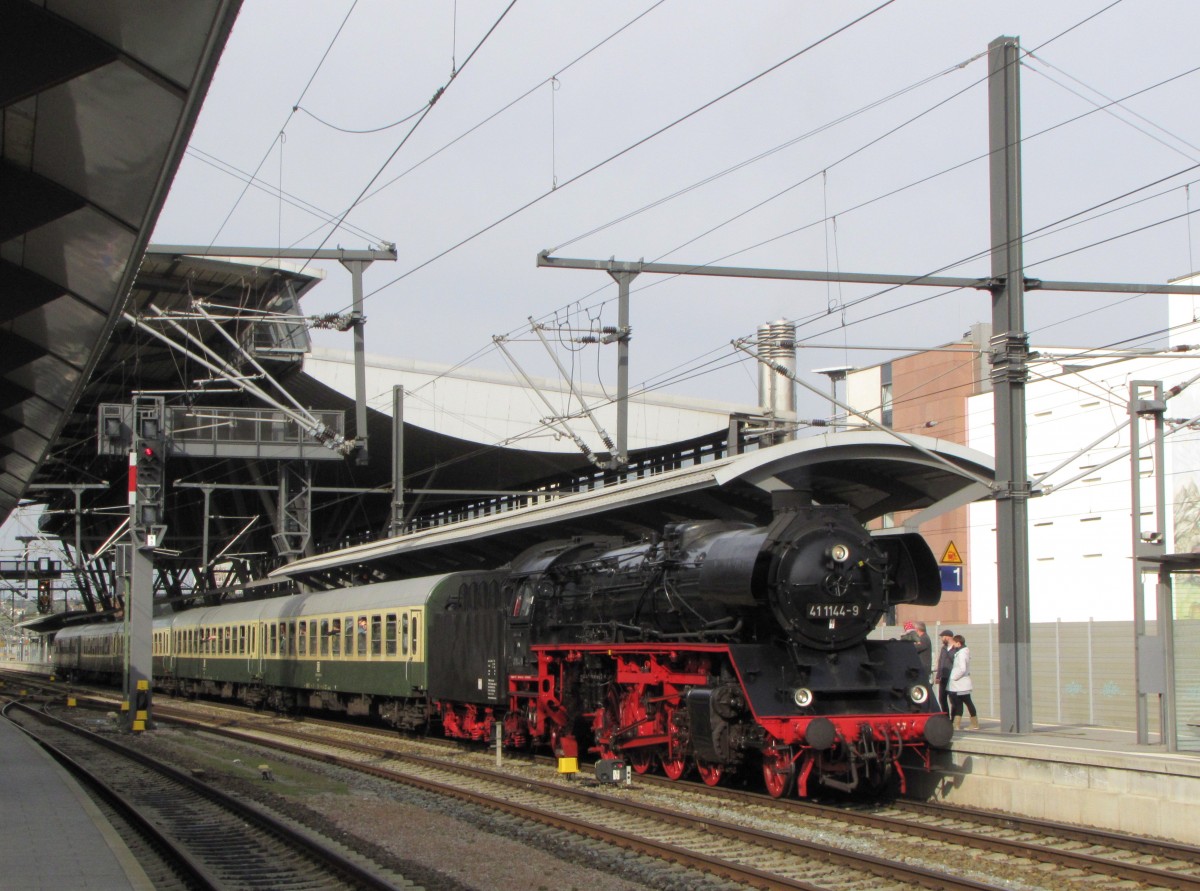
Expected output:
(147, 476)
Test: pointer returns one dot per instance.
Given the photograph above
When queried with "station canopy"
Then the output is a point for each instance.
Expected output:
(97, 101)
(874, 473)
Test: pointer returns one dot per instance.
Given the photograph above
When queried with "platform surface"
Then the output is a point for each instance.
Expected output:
(1087, 776)
(55, 838)
(1085, 744)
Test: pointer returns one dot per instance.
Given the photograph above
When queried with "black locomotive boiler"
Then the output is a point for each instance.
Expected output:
(716, 645)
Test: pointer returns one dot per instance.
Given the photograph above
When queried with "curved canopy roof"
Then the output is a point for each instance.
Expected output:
(97, 100)
(874, 473)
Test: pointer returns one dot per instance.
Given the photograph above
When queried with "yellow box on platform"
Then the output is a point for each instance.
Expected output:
(568, 765)
(70, 702)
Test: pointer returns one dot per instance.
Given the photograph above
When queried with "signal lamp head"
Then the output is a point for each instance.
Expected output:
(148, 451)
(803, 697)
(918, 693)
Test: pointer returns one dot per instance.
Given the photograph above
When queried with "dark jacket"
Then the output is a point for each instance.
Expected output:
(945, 664)
(924, 647)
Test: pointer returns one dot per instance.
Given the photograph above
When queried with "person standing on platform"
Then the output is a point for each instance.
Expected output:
(944, 664)
(961, 685)
(915, 631)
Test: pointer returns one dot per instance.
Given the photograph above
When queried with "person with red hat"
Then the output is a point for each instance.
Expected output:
(915, 631)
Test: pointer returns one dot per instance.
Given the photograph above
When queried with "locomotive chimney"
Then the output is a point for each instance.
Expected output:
(777, 392)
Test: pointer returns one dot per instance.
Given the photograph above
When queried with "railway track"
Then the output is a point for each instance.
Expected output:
(201, 838)
(993, 847)
(760, 841)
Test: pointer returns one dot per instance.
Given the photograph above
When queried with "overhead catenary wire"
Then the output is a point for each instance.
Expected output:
(421, 117)
(312, 77)
(629, 148)
(485, 347)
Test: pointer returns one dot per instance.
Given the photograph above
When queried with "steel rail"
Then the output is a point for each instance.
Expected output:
(305, 844)
(876, 866)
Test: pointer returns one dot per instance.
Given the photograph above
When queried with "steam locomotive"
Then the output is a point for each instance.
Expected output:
(713, 645)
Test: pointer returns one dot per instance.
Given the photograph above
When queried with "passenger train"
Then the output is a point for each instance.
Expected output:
(712, 646)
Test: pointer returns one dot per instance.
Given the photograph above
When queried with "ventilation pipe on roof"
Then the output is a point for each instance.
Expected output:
(777, 392)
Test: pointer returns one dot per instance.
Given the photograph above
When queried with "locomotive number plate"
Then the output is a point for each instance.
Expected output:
(832, 610)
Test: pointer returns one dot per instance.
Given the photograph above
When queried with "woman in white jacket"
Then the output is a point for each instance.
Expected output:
(960, 685)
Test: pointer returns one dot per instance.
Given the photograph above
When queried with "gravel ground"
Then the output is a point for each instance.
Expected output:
(439, 843)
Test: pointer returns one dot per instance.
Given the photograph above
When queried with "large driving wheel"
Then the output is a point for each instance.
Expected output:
(641, 760)
(674, 767)
(779, 771)
(710, 771)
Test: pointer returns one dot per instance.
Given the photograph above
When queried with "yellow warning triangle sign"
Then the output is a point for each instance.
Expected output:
(952, 555)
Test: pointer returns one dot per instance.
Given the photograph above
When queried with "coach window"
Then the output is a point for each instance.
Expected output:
(415, 625)
(389, 636)
(273, 640)
(302, 639)
(404, 635)
(376, 636)
(326, 633)
(349, 631)
(360, 635)
(312, 637)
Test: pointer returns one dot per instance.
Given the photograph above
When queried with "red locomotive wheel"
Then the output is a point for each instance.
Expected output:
(641, 760)
(674, 768)
(710, 771)
(779, 772)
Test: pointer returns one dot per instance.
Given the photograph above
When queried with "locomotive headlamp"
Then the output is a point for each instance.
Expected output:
(803, 697)
(918, 693)
(839, 553)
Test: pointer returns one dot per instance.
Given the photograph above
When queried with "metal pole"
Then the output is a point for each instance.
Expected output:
(1010, 349)
(204, 540)
(397, 524)
(1166, 631)
(356, 268)
(139, 612)
(623, 333)
(1139, 589)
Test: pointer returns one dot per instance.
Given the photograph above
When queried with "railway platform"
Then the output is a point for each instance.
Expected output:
(55, 836)
(1082, 775)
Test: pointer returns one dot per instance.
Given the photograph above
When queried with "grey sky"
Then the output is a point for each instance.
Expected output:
(391, 58)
